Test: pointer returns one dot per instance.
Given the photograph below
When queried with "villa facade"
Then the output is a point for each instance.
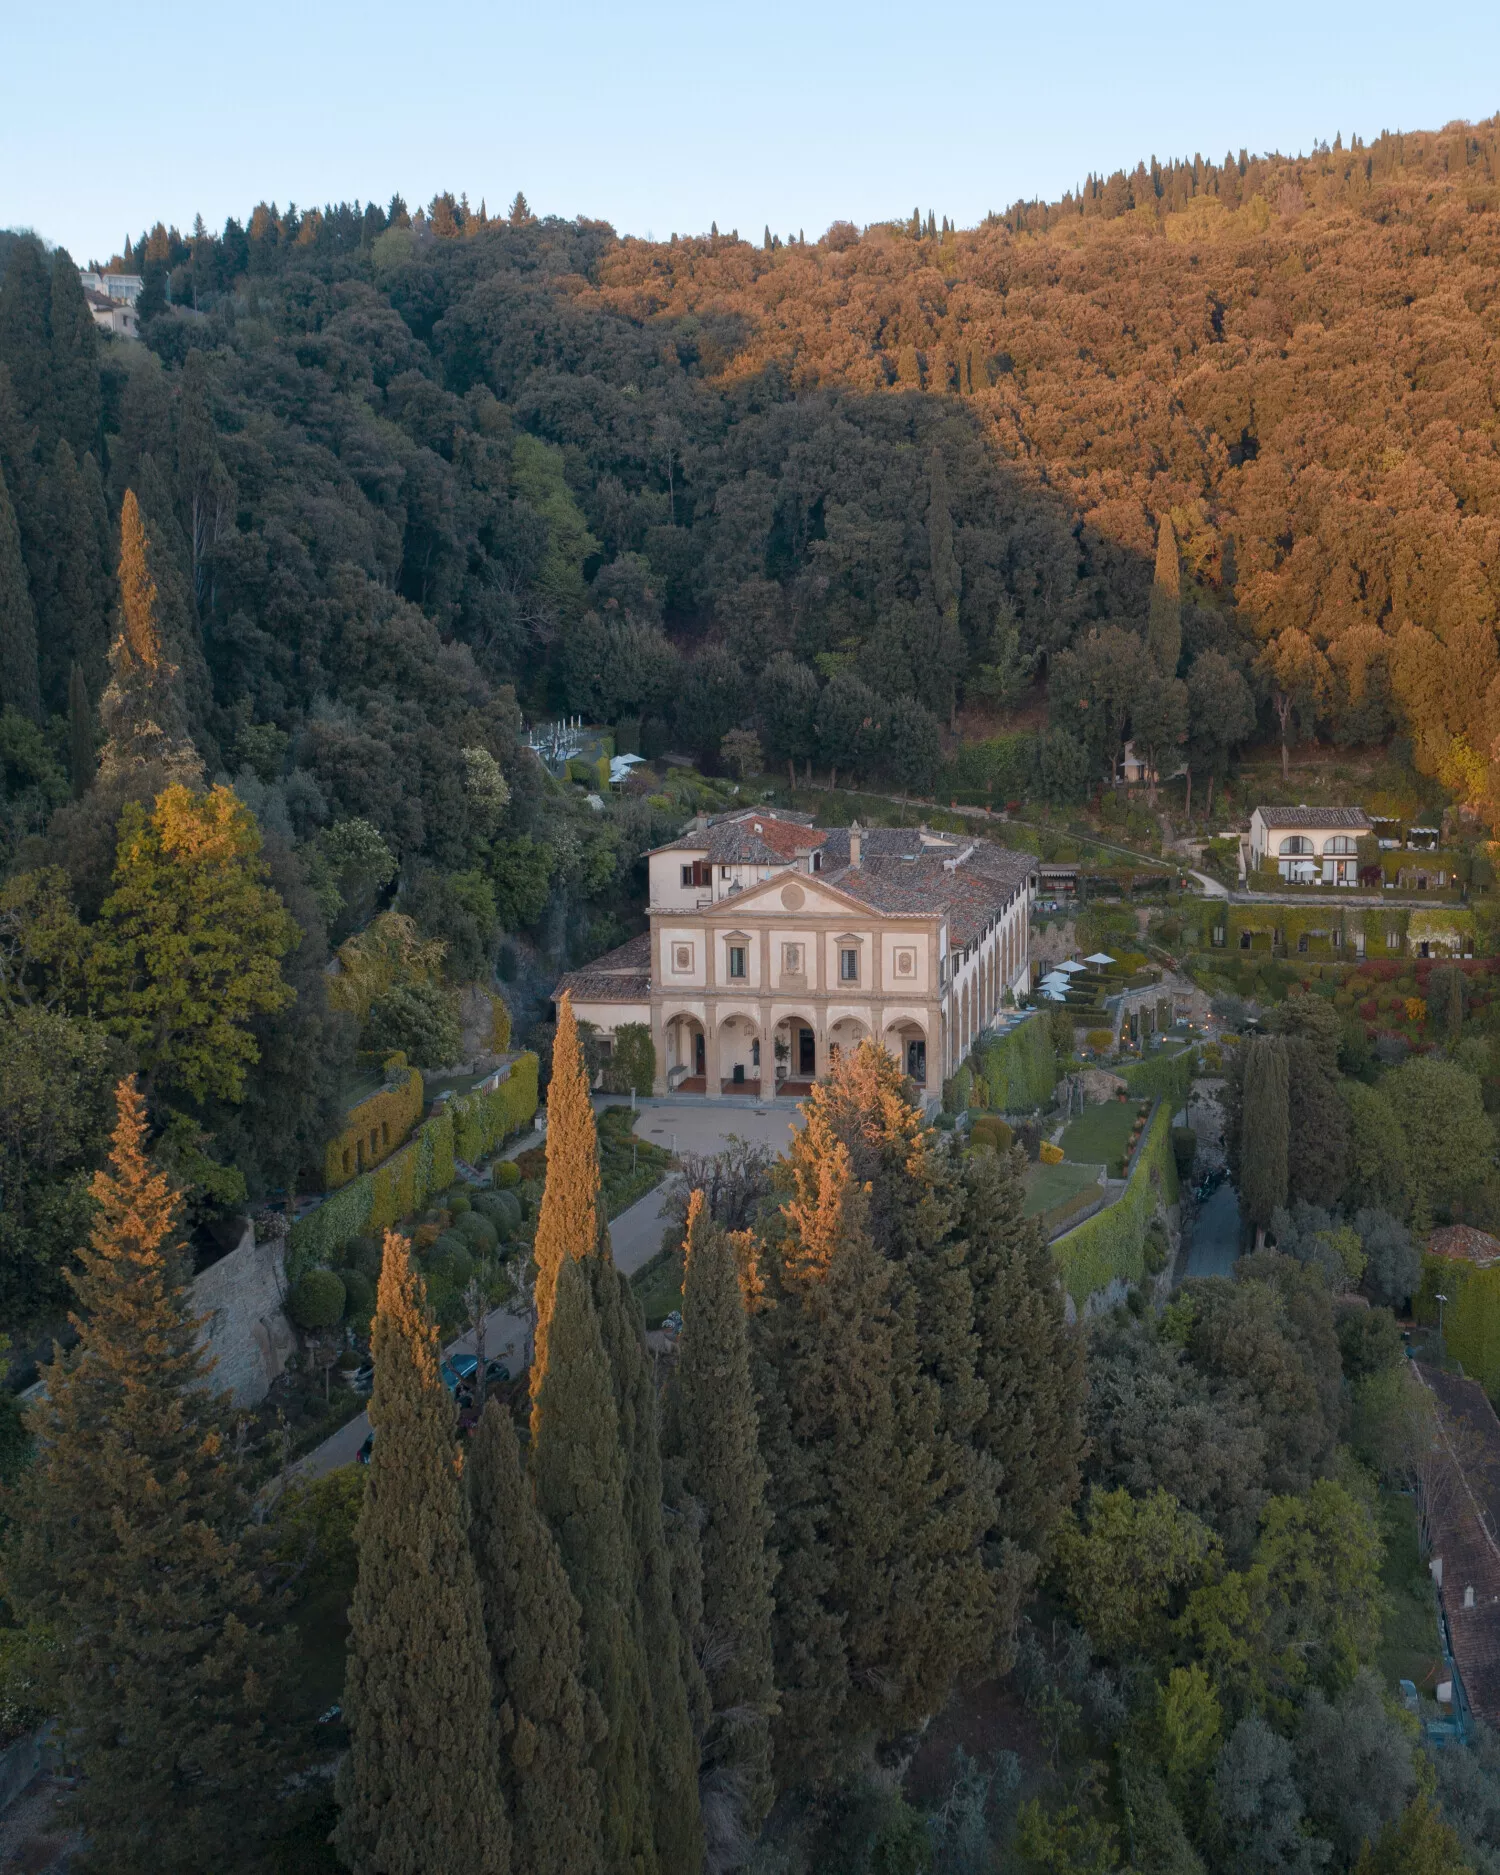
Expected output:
(774, 944)
(1307, 845)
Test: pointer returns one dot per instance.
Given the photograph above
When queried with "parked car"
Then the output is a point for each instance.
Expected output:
(459, 1371)
(362, 1457)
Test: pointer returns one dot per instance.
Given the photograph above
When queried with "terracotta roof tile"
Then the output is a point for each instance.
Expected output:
(1354, 818)
(619, 976)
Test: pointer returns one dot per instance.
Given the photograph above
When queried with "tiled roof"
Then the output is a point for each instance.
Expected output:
(1465, 1243)
(1466, 1513)
(1355, 819)
(970, 892)
(619, 976)
(749, 839)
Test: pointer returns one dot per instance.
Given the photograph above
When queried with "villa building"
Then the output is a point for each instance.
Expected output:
(775, 943)
(1307, 845)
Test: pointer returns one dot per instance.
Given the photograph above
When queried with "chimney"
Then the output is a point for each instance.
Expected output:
(854, 843)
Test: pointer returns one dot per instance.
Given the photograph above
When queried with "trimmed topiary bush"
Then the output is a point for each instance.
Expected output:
(478, 1233)
(506, 1174)
(991, 1131)
(503, 1209)
(316, 1301)
(359, 1298)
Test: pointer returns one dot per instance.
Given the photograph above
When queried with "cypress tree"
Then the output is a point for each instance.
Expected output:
(71, 610)
(669, 1661)
(1030, 1361)
(1164, 627)
(419, 1792)
(579, 1466)
(1264, 1131)
(169, 561)
(81, 758)
(26, 336)
(125, 1543)
(77, 408)
(141, 710)
(19, 689)
(550, 1725)
(568, 1223)
(718, 1438)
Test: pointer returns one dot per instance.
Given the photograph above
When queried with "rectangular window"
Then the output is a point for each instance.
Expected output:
(737, 960)
(687, 875)
(849, 966)
(817, 862)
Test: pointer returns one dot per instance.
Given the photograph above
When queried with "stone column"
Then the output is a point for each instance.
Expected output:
(711, 1076)
(659, 1043)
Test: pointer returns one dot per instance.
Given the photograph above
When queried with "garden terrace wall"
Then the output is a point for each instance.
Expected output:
(1471, 1314)
(1164, 1076)
(375, 1127)
(466, 1128)
(1111, 1245)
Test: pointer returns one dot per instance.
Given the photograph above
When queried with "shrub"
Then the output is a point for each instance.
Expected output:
(316, 1300)
(1184, 1149)
(506, 1174)
(1100, 1040)
(991, 1131)
(1050, 1154)
(503, 1210)
(459, 1203)
(478, 1233)
(632, 1067)
(359, 1298)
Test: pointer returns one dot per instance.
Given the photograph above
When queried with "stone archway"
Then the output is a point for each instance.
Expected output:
(845, 1036)
(738, 1050)
(795, 1048)
(907, 1040)
(687, 1052)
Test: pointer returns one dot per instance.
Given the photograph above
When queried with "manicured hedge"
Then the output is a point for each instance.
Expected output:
(1112, 1243)
(1162, 1076)
(395, 1110)
(370, 1204)
(1019, 1067)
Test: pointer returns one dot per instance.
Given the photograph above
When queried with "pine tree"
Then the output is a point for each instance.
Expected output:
(1264, 1130)
(19, 689)
(1030, 1361)
(550, 1725)
(568, 1224)
(419, 1793)
(674, 1675)
(81, 758)
(578, 1462)
(76, 403)
(718, 1434)
(141, 710)
(1164, 627)
(125, 1543)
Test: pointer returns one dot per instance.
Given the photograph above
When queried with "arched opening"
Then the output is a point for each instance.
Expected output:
(844, 1037)
(739, 1056)
(907, 1041)
(687, 1055)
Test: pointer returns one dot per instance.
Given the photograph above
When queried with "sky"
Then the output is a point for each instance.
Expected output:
(666, 117)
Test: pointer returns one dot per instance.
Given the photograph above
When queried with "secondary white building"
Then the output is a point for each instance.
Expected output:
(1308, 845)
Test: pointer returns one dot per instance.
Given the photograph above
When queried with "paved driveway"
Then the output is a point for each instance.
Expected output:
(635, 1235)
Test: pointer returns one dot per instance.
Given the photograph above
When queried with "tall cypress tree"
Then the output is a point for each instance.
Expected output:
(568, 1223)
(1264, 1130)
(81, 758)
(579, 1466)
(550, 1724)
(419, 1792)
(19, 689)
(169, 561)
(126, 1545)
(1164, 626)
(71, 610)
(943, 660)
(718, 1438)
(77, 408)
(26, 335)
(141, 710)
(1030, 1361)
(670, 1665)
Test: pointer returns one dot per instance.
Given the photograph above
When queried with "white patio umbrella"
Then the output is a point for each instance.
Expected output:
(1053, 994)
(1098, 958)
(1070, 967)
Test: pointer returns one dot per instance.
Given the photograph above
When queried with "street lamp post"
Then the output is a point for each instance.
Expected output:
(1441, 1346)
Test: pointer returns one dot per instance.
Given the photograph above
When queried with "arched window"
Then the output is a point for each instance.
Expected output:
(1342, 844)
(1295, 843)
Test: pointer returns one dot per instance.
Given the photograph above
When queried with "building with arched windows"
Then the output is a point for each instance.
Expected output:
(775, 945)
(1308, 845)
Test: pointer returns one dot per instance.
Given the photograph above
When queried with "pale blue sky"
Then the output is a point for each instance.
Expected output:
(669, 116)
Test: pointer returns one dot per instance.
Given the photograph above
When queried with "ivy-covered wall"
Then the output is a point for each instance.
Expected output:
(1471, 1315)
(1019, 1068)
(375, 1127)
(1164, 1076)
(468, 1128)
(1112, 1243)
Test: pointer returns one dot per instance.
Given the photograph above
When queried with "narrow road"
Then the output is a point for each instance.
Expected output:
(1216, 1235)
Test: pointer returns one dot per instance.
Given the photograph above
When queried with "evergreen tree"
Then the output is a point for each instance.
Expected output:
(1030, 1361)
(18, 668)
(26, 336)
(717, 1432)
(1264, 1130)
(81, 758)
(72, 608)
(569, 1221)
(77, 408)
(550, 1725)
(169, 563)
(419, 1792)
(944, 654)
(125, 1544)
(142, 712)
(673, 1673)
(1164, 627)
(578, 1462)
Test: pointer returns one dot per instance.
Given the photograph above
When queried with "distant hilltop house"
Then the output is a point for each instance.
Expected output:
(1307, 845)
(774, 944)
(112, 301)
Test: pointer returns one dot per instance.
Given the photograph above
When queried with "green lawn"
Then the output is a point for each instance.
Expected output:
(1048, 1186)
(1100, 1135)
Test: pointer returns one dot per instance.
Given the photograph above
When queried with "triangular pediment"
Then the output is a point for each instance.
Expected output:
(798, 896)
